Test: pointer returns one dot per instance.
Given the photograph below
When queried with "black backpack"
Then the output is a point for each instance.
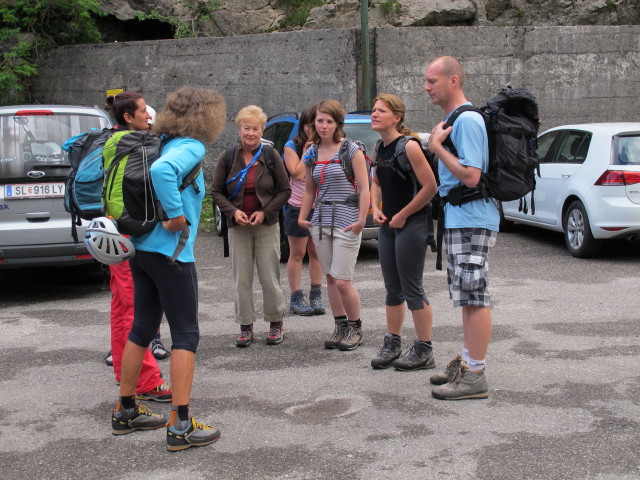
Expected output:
(512, 121)
(401, 164)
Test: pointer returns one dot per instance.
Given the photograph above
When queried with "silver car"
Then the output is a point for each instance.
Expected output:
(35, 228)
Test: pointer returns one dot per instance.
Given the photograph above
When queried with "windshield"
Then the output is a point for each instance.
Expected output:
(33, 142)
(362, 132)
(626, 150)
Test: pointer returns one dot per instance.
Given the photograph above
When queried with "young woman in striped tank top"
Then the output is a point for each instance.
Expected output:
(338, 219)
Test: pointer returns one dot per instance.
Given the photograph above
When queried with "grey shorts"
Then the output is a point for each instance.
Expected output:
(468, 265)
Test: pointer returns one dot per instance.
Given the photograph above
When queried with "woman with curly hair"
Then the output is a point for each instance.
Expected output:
(190, 117)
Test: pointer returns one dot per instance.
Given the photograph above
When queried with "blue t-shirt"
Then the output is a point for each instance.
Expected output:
(469, 136)
(179, 157)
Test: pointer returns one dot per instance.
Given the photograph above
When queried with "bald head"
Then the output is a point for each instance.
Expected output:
(448, 67)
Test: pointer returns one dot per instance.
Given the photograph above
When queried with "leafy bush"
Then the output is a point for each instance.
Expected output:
(26, 26)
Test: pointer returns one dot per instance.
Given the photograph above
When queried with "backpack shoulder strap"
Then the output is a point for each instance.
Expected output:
(451, 120)
(269, 159)
(228, 159)
(376, 148)
(459, 111)
(345, 159)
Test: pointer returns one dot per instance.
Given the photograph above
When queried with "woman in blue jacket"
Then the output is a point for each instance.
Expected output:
(190, 117)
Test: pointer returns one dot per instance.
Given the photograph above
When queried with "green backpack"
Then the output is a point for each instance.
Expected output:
(127, 191)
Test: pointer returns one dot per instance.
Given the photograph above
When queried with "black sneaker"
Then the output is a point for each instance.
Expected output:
(127, 420)
(195, 435)
(419, 356)
(158, 350)
(108, 359)
(391, 349)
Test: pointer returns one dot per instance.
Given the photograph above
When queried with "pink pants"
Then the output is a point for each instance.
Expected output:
(121, 321)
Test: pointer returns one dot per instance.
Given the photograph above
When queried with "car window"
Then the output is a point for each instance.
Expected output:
(279, 134)
(574, 147)
(544, 145)
(34, 142)
(362, 132)
(626, 150)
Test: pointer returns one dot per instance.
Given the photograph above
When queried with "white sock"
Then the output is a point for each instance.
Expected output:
(465, 355)
(475, 365)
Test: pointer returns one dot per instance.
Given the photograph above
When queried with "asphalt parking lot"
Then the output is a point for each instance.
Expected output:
(562, 367)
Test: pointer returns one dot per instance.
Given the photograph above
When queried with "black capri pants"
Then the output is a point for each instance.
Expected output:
(161, 287)
(402, 253)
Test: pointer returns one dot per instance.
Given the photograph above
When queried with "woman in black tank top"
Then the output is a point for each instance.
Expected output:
(398, 198)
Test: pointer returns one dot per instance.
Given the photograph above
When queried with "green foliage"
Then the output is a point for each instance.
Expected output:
(207, 219)
(189, 28)
(28, 25)
(297, 12)
(390, 8)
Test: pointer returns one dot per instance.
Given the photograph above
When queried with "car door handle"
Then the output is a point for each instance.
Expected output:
(566, 174)
(38, 216)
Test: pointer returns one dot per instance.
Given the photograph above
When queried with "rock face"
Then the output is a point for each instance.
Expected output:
(211, 18)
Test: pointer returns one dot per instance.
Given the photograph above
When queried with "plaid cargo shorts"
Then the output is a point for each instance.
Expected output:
(468, 265)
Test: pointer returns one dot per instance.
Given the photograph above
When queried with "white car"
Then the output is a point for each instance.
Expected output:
(588, 187)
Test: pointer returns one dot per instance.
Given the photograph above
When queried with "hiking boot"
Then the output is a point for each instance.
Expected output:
(352, 337)
(299, 305)
(158, 350)
(276, 333)
(391, 349)
(452, 367)
(315, 300)
(162, 394)
(108, 359)
(337, 335)
(127, 420)
(419, 356)
(246, 336)
(195, 435)
(464, 385)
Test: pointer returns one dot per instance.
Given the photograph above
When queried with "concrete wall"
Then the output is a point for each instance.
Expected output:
(579, 74)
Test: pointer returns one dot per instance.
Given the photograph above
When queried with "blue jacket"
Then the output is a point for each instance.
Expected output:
(179, 157)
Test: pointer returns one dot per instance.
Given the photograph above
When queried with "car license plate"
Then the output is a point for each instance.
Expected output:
(34, 190)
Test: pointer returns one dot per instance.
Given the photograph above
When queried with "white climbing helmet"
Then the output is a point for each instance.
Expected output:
(105, 244)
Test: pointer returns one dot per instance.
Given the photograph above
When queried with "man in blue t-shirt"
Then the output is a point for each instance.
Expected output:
(471, 229)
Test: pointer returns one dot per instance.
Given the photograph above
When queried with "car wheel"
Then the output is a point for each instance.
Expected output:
(577, 232)
(218, 220)
(505, 225)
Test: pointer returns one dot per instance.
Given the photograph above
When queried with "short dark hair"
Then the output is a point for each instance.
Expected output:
(125, 102)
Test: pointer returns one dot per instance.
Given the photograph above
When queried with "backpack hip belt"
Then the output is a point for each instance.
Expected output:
(462, 194)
